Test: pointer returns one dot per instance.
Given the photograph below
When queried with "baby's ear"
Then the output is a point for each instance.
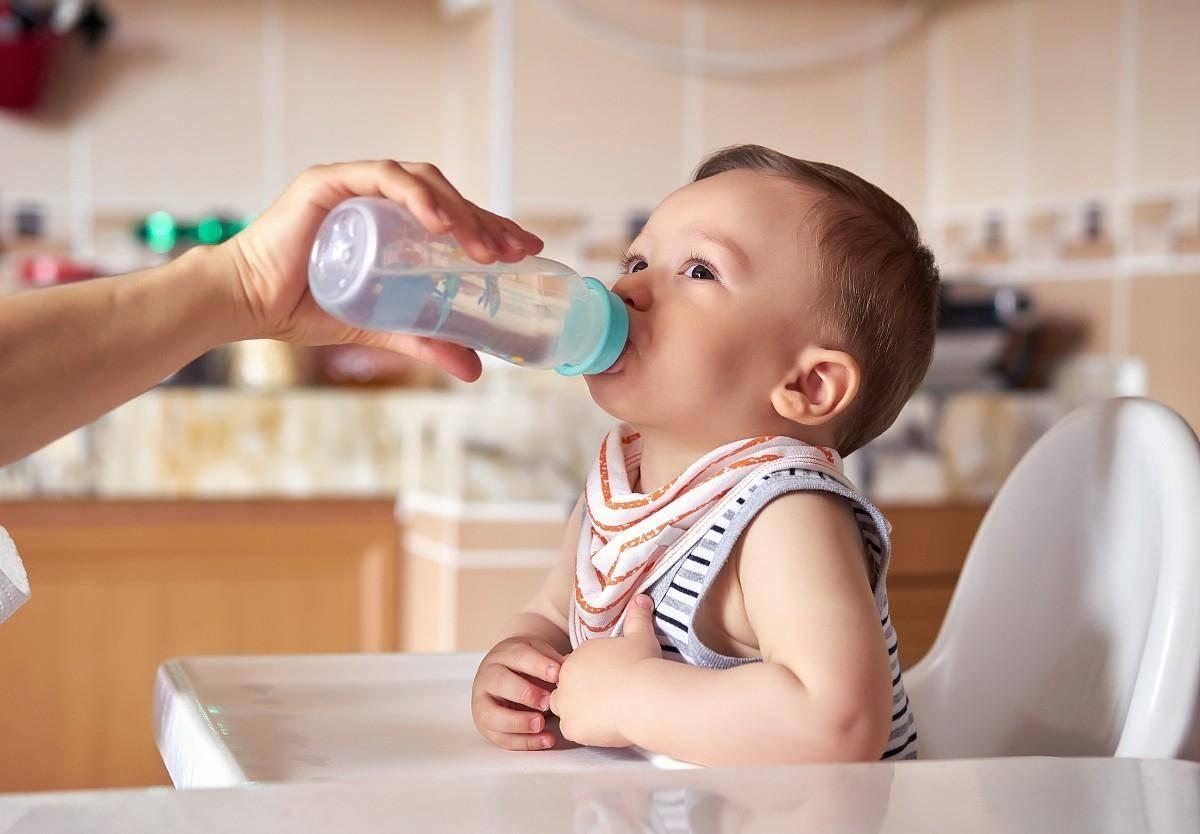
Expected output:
(820, 385)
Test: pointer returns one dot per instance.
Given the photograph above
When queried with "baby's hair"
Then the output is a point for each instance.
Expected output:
(881, 287)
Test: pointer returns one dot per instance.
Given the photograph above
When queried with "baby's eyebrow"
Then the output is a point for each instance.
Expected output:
(724, 242)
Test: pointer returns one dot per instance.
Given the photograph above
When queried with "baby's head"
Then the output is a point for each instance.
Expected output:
(773, 296)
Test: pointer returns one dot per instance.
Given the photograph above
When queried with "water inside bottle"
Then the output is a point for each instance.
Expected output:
(516, 316)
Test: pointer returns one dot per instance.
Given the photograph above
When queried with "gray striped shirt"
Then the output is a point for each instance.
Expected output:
(678, 593)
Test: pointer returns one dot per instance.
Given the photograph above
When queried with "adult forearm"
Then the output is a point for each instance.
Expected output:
(69, 354)
(759, 713)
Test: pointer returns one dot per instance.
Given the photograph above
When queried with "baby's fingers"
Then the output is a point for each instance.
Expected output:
(521, 657)
(496, 719)
(549, 652)
(467, 226)
(516, 241)
(512, 741)
(506, 684)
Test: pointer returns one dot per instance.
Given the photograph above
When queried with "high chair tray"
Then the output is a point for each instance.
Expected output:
(225, 721)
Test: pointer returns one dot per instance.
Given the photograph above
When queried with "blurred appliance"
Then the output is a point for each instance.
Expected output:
(982, 338)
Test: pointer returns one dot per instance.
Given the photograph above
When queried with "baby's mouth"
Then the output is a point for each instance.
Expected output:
(619, 365)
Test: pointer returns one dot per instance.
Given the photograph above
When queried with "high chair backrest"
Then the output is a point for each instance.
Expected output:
(1075, 626)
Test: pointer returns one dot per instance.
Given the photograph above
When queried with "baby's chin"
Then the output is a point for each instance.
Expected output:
(610, 392)
(617, 393)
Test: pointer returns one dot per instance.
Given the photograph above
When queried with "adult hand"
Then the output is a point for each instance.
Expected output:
(269, 259)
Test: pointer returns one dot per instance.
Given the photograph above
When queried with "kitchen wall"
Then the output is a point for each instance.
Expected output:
(1020, 114)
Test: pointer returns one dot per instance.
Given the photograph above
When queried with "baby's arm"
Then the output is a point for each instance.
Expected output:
(545, 616)
(823, 690)
(508, 695)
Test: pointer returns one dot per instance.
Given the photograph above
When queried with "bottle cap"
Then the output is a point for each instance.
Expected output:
(616, 333)
(342, 254)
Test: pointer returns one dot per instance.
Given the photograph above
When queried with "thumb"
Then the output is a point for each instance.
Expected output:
(639, 619)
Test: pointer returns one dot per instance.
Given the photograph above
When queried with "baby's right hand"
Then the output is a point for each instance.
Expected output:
(508, 698)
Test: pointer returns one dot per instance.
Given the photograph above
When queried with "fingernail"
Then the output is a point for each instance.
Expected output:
(544, 703)
(489, 242)
(551, 672)
(536, 725)
(512, 241)
(445, 218)
(545, 743)
(643, 602)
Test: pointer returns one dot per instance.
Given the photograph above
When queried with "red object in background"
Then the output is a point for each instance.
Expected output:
(48, 270)
(25, 63)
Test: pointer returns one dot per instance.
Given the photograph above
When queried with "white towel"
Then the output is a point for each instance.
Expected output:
(14, 583)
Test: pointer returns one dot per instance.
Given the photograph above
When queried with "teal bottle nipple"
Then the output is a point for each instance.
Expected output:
(613, 330)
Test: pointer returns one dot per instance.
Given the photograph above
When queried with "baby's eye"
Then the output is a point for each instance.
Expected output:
(700, 272)
(635, 265)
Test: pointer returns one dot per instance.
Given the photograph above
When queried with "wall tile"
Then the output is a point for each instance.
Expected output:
(363, 80)
(594, 127)
(1073, 118)
(177, 122)
(1168, 120)
(979, 102)
(1165, 336)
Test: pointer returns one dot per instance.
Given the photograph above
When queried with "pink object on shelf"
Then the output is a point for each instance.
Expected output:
(48, 270)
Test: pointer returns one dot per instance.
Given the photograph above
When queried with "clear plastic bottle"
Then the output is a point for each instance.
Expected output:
(374, 265)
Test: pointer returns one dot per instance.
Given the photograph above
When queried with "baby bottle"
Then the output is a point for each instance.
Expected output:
(374, 265)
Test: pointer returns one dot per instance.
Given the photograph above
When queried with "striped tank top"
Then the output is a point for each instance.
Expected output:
(679, 592)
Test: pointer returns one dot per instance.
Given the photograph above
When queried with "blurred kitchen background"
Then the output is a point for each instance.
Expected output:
(268, 500)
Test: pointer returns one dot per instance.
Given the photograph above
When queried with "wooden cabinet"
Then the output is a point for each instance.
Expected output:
(120, 587)
(929, 545)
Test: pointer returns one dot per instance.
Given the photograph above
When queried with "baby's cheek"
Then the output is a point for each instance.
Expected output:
(696, 373)
(726, 360)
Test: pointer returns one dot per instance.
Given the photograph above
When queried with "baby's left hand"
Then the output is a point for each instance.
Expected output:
(592, 692)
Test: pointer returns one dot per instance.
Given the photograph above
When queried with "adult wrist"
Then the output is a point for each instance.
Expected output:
(225, 312)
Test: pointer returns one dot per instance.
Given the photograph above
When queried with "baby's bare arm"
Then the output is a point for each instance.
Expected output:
(545, 615)
(511, 691)
(823, 689)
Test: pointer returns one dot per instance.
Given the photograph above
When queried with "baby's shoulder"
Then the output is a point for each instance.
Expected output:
(800, 528)
(802, 513)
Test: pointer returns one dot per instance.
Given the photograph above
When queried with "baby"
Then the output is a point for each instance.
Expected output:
(720, 598)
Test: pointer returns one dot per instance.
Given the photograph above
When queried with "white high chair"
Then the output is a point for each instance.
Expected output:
(1075, 626)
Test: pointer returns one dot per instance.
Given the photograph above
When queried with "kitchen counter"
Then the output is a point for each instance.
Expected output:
(224, 443)
(531, 439)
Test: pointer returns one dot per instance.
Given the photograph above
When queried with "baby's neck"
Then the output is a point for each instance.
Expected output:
(663, 458)
(666, 454)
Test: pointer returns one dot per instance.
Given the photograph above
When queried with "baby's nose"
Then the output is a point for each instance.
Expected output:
(634, 291)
